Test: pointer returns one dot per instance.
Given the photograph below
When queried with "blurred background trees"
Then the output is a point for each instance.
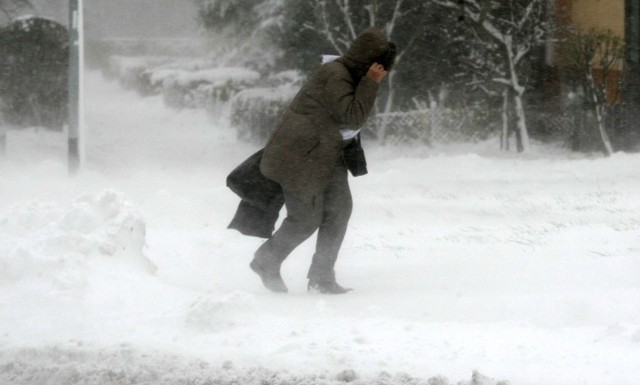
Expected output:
(33, 69)
(467, 70)
(451, 54)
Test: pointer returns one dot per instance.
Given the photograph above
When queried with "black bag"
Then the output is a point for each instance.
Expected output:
(261, 199)
(249, 184)
(354, 157)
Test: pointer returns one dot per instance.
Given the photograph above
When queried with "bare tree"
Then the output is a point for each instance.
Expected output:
(339, 22)
(594, 56)
(508, 29)
(243, 30)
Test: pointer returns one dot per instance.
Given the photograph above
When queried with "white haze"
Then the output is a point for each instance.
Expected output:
(524, 268)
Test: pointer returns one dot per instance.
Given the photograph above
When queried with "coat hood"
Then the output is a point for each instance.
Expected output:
(368, 46)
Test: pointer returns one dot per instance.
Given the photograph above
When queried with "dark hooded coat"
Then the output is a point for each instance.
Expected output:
(302, 151)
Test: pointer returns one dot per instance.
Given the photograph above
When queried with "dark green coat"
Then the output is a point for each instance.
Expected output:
(302, 151)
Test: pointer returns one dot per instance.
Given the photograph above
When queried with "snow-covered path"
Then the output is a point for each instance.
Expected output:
(526, 269)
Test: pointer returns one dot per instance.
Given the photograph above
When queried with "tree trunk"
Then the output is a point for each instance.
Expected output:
(504, 135)
(523, 134)
(608, 149)
(599, 109)
(517, 92)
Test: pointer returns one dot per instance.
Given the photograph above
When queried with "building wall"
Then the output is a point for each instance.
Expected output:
(599, 14)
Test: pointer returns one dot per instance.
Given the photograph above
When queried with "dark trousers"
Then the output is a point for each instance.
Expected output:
(329, 213)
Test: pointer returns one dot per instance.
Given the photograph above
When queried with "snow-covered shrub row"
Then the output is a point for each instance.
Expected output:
(183, 83)
(138, 72)
(126, 366)
(202, 88)
(131, 72)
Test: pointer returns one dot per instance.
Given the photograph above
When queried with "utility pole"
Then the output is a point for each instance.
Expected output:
(75, 84)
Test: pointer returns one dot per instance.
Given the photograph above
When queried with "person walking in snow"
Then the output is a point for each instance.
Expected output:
(305, 155)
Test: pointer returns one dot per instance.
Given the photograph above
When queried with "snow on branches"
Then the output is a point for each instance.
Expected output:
(507, 31)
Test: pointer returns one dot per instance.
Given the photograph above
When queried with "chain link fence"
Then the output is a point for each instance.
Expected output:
(427, 126)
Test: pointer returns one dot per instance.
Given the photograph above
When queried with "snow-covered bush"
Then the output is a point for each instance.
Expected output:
(256, 112)
(205, 88)
(34, 60)
(183, 83)
(133, 72)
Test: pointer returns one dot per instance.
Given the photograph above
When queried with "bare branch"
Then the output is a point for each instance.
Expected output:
(484, 11)
(343, 5)
(321, 8)
(503, 81)
(392, 22)
(527, 13)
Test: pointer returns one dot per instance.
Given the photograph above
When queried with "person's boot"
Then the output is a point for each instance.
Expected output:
(326, 287)
(271, 279)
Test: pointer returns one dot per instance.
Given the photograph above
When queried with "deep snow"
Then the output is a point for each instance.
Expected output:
(524, 268)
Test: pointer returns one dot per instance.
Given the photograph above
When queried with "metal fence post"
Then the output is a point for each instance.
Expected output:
(74, 86)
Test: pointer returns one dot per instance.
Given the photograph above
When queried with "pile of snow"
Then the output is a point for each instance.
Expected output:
(213, 314)
(48, 242)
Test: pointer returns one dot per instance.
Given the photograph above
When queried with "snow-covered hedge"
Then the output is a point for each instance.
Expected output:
(256, 112)
(183, 83)
(202, 88)
(132, 72)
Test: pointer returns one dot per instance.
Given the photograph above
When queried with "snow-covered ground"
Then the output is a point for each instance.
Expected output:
(522, 268)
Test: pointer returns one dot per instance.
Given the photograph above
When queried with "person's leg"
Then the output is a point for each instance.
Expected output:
(335, 218)
(301, 222)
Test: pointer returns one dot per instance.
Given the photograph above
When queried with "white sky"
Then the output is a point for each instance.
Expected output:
(128, 18)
